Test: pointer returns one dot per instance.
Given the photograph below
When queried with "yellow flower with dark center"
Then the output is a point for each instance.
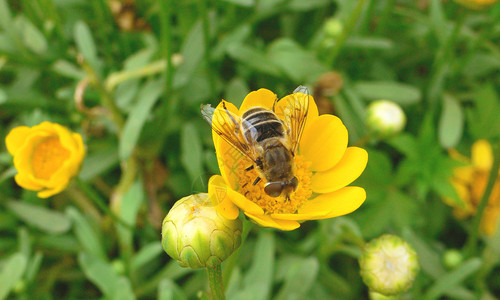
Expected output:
(324, 166)
(477, 4)
(46, 157)
(470, 182)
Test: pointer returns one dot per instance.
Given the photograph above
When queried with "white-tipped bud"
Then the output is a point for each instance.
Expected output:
(196, 235)
(389, 265)
(385, 118)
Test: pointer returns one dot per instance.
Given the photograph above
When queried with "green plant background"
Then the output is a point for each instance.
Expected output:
(148, 145)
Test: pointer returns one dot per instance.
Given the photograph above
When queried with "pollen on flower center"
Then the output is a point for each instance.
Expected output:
(48, 156)
(273, 205)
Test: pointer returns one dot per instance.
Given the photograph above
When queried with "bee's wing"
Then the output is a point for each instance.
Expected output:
(294, 114)
(228, 126)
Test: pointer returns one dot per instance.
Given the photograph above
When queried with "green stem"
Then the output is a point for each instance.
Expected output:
(118, 77)
(166, 9)
(207, 40)
(442, 60)
(349, 26)
(216, 282)
(232, 261)
(470, 246)
(106, 97)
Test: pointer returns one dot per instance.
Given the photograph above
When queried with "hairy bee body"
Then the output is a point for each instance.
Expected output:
(275, 161)
(268, 141)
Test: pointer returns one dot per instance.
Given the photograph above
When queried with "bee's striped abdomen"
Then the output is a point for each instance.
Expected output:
(265, 122)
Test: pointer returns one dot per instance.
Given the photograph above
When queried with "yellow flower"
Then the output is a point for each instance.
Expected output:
(470, 182)
(477, 4)
(324, 166)
(46, 157)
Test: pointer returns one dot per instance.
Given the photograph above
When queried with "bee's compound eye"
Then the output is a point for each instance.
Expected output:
(273, 189)
(294, 182)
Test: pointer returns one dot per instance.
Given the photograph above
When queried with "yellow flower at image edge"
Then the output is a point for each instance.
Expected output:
(46, 157)
(324, 166)
(470, 182)
(477, 4)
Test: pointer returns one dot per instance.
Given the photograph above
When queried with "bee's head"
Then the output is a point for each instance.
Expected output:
(276, 188)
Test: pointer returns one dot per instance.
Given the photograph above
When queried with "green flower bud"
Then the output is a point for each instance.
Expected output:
(333, 27)
(388, 265)
(453, 258)
(196, 235)
(385, 118)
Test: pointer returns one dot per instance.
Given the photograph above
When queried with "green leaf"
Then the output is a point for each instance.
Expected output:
(32, 37)
(429, 258)
(401, 93)
(40, 217)
(299, 278)
(85, 43)
(451, 123)
(259, 279)
(132, 202)
(236, 91)
(244, 3)
(98, 161)
(145, 255)
(105, 278)
(299, 65)
(191, 151)
(148, 96)
(11, 272)
(448, 281)
(85, 234)
(192, 50)
(168, 290)
(254, 59)
(33, 267)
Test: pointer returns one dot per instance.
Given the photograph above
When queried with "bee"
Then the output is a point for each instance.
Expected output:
(269, 141)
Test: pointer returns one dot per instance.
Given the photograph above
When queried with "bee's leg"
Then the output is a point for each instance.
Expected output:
(249, 168)
(256, 181)
(287, 198)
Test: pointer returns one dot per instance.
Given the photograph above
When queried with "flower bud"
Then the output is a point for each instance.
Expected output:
(196, 235)
(452, 258)
(388, 265)
(385, 118)
(333, 27)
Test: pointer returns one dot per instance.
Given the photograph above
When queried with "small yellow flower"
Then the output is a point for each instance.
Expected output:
(46, 157)
(470, 182)
(477, 4)
(324, 166)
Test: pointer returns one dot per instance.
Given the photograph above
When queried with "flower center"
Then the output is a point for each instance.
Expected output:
(273, 205)
(48, 156)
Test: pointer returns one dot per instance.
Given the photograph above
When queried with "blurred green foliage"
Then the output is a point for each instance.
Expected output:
(131, 75)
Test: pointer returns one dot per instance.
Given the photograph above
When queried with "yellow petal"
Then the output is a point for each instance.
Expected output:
(16, 138)
(458, 156)
(50, 192)
(300, 216)
(324, 142)
(261, 97)
(482, 155)
(25, 182)
(217, 194)
(267, 221)
(346, 171)
(227, 155)
(223, 191)
(337, 203)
